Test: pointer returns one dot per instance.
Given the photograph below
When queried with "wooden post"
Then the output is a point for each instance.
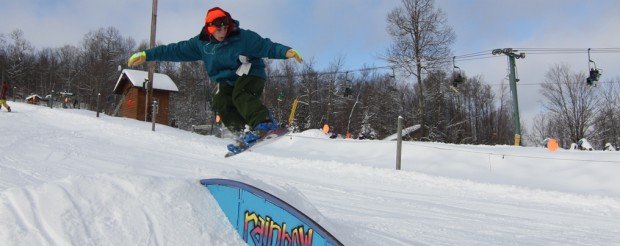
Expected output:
(399, 142)
(151, 65)
(98, 98)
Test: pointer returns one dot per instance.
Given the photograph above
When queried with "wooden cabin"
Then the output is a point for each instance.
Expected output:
(130, 86)
(33, 99)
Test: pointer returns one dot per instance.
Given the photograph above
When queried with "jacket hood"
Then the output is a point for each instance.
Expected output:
(206, 36)
(213, 14)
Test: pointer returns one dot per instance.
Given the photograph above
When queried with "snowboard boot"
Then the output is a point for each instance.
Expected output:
(237, 147)
(244, 140)
(263, 128)
(250, 137)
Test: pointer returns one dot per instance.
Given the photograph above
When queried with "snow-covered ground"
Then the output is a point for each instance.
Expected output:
(69, 178)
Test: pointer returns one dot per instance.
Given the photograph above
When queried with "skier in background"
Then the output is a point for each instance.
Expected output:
(3, 93)
(233, 59)
(334, 134)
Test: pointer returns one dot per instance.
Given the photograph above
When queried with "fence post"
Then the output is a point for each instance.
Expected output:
(98, 98)
(154, 111)
(399, 142)
(51, 100)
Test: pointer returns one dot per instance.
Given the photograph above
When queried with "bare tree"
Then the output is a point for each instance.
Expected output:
(310, 109)
(20, 55)
(606, 124)
(569, 103)
(46, 66)
(3, 56)
(280, 90)
(104, 50)
(69, 66)
(422, 40)
(192, 104)
(381, 104)
(503, 130)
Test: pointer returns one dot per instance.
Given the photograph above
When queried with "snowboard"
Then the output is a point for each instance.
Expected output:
(271, 135)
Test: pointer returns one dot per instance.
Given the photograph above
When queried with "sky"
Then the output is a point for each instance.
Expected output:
(68, 177)
(324, 31)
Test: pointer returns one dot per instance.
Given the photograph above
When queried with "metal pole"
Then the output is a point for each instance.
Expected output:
(515, 100)
(399, 142)
(513, 88)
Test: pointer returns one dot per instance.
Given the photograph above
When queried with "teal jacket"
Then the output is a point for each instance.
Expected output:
(221, 59)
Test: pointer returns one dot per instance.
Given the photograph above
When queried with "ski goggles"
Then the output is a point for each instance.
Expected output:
(219, 22)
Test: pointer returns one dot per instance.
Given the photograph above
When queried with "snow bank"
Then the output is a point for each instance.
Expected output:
(113, 210)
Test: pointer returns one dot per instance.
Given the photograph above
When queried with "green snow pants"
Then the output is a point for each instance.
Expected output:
(240, 105)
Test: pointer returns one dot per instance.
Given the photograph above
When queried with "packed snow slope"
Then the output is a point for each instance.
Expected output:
(68, 177)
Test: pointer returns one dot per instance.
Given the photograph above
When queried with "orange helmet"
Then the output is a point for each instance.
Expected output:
(217, 17)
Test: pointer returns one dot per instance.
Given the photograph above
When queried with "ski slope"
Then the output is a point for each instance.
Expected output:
(69, 178)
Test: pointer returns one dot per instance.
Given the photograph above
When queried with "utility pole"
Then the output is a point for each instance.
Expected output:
(151, 65)
(513, 88)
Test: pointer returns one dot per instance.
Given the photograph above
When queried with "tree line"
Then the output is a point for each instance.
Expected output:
(367, 101)
(572, 110)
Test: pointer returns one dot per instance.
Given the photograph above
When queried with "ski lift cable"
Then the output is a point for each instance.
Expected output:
(568, 49)
(535, 52)
(528, 84)
(474, 56)
(334, 72)
(569, 52)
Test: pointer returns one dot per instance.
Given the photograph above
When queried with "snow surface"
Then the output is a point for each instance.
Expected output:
(70, 178)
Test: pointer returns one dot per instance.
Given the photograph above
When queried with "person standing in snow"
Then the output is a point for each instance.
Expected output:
(334, 134)
(233, 59)
(3, 93)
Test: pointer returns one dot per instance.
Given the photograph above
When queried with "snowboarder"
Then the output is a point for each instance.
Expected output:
(3, 93)
(233, 59)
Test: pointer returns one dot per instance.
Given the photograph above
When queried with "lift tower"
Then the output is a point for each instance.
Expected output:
(512, 55)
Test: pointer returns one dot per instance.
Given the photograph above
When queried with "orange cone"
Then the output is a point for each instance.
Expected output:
(552, 145)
